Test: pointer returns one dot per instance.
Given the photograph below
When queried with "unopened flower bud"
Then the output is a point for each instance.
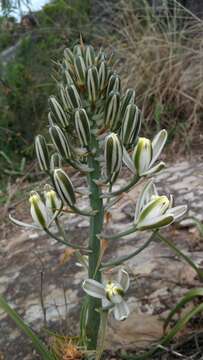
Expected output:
(142, 155)
(77, 50)
(113, 153)
(52, 201)
(80, 69)
(101, 56)
(89, 55)
(130, 125)
(64, 187)
(55, 161)
(114, 83)
(68, 54)
(57, 112)
(68, 77)
(73, 97)
(127, 99)
(82, 125)
(111, 110)
(38, 210)
(103, 75)
(42, 152)
(92, 82)
(60, 141)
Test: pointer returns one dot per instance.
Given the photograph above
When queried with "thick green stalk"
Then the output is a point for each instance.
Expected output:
(96, 224)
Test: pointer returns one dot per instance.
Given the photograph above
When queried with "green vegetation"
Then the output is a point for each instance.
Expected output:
(27, 79)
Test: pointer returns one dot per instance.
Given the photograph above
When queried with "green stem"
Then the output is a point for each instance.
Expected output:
(96, 224)
(129, 231)
(121, 259)
(181, 254)
(67, 243)
(125, 188)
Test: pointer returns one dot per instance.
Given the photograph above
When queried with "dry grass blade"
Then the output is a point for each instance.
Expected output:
(164, 52)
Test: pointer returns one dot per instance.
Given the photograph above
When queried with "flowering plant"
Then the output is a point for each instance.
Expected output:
(94, 126)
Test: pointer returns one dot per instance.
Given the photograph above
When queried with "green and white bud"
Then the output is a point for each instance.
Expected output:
(127, 99)
(73, 97)
(103, 75)
(77, 50)
(80, 69)
(42, 152)
(38, 210)
(89, 55)
(131, 125)
(57, 112)
(68, 77)
(52, 201)
(60, 141)
(112, 110)
(113, 154)
(55, 161)
(142, 155)
(114, 83)
(101, 56)
(82, 126)
(64, 187)
(92, 82)
(68, 55)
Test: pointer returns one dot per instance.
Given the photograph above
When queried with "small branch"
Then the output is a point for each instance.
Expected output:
(130, 230)
(181, 254)
(64, 242)
(121, 259)
(125, 188)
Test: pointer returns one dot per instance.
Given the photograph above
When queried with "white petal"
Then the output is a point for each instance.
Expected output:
(128, 161)
(155, 169)
(157, 144)
(155, 223)
(123, 279)
(106, 303)
(121, 311)
(177, 211)
(147, 192)
(21, 223)
(94, 288)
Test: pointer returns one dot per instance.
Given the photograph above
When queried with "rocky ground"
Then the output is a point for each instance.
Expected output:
(39, 277)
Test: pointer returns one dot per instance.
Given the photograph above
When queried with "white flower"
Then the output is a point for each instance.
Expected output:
(154, 211)
(111, 293)
(145, 155)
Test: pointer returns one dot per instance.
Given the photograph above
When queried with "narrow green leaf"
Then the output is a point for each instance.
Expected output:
(192, 294)
(38, 344)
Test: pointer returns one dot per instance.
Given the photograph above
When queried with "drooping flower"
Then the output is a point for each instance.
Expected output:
(146, 154)
(111, 293)
(154, 211)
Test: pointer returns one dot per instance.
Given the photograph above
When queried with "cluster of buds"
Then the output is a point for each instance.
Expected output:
(89, 83)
